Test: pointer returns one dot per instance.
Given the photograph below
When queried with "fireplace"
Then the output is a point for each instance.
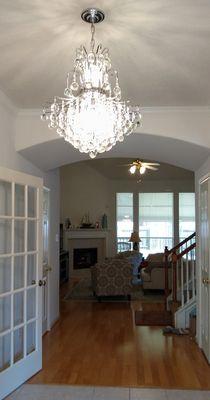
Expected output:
(84, 257)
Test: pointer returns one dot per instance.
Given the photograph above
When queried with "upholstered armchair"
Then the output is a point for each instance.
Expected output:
(112, 278)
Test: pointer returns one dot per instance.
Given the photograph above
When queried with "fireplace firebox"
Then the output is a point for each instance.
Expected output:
(84, 258)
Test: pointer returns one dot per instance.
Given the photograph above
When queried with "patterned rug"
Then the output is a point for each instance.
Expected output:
(83, 291)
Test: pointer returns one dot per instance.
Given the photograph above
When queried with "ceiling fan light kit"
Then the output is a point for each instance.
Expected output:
(91, 115)
(141, 167)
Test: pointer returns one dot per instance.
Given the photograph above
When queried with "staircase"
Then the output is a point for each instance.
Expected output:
(180, 281)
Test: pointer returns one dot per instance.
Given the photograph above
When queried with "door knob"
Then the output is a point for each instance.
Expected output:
(47, 268)
(206, 281)
(42, 282)
(33, 282)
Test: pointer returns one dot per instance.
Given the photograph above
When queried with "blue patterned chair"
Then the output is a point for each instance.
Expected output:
(113, 277)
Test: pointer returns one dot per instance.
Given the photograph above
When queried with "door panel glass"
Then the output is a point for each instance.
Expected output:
(31, 269)
(19, 200)
(18, 308)
(5, 313)
(18, 272)
(19, 236)
(5, 236)
(18, 344)
(5, 198)
(31, 303)
(31, 337)
(5, 274)
(5, 351)
(31, 235)
(32, 202)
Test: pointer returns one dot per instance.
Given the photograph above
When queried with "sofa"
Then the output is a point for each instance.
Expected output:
(112, 277)
(153, 272)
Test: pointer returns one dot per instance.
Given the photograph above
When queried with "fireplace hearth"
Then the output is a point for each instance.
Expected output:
(84, 257)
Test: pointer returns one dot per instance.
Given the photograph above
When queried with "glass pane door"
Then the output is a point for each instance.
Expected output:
(19, 276)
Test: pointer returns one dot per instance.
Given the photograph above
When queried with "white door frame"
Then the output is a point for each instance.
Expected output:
(31, 362)
(49, 265)
(206, 177)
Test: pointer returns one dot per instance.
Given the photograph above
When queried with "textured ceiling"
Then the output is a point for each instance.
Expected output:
(160, 47)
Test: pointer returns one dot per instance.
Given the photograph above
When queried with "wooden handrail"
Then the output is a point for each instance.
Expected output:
(182, 242)
(187, 250)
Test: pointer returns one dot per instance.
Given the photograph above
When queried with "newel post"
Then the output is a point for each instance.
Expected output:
(166, 254)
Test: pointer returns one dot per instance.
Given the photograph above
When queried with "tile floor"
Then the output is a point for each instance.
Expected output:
(60, 392)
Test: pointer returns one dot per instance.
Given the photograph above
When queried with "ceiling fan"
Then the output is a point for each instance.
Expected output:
(141, 166)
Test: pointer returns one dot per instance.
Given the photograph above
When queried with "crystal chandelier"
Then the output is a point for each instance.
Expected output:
(92, 116)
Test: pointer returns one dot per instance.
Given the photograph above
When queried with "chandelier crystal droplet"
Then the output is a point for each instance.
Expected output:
(92, 116)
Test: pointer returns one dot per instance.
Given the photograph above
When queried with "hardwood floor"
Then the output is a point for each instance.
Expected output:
(99, 344)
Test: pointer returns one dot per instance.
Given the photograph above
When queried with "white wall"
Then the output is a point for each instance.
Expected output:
(9, 158)
(85, 190)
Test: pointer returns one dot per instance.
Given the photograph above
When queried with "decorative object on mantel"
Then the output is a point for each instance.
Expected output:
(135, 239)
(85, 222)
(104, 222)
(92, 116)
(67, 224)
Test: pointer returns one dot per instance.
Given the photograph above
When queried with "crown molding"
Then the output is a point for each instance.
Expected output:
(5, 101)
(175, 109)
(143, 110)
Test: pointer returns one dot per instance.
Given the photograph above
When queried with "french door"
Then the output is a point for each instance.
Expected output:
(20, 276)
(204, 244)
(46, 266)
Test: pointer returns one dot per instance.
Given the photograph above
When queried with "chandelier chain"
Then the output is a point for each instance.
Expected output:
(92, 42)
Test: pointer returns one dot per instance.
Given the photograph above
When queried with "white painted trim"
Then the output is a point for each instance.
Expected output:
(144, 110)
(5, 101)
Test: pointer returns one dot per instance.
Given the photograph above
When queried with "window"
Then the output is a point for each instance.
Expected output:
(186, 214)
(155, 222)
(124, 220)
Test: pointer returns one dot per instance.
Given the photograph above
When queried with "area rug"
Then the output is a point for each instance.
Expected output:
(153, 318)
(83, 291)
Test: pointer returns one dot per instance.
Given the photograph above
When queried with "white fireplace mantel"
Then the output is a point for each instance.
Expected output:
(86, 233)
(85, 238)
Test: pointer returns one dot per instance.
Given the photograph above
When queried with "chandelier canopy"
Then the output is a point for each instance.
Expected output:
(92, 116)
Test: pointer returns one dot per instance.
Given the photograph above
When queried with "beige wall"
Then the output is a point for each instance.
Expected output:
(85, 190)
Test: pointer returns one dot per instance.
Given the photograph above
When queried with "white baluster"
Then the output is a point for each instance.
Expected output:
(182, 283)
(193, 276)
(187, 277)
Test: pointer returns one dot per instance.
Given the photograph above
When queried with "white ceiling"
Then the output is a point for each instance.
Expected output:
(160, 47)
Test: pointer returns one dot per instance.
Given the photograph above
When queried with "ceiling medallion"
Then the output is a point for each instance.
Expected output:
(91, 115)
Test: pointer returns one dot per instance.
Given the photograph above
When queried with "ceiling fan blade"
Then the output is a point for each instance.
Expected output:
(124, 165)
(145, 163)
(152, 168)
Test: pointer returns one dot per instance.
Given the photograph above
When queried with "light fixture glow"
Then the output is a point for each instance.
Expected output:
(132, 169)
(142, 169)
(92, 116)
